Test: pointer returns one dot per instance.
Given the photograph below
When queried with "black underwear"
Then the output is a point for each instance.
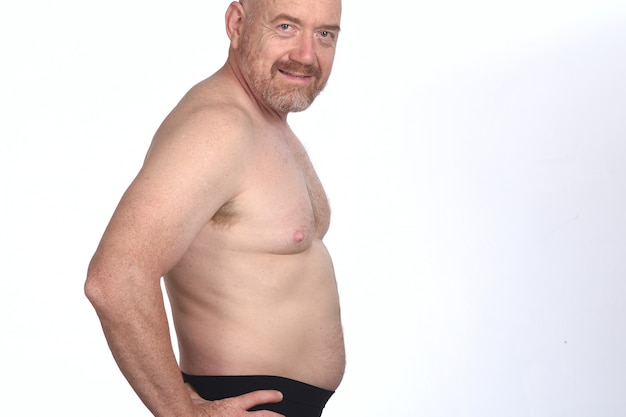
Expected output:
(299, 399)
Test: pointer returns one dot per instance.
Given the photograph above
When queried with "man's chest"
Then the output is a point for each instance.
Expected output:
(282, 207)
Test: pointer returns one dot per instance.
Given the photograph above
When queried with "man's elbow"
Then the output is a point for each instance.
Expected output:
(95, 290)
(100, 288)
(111, 290)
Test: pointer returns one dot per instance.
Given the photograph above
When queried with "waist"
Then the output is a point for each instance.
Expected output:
(315, 356)
(295, 336)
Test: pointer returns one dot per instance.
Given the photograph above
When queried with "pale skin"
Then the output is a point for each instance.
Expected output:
(228, 209)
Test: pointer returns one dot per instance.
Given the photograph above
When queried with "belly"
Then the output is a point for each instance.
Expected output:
(264, 314)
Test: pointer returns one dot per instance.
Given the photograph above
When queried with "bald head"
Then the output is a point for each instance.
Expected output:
(251, 6)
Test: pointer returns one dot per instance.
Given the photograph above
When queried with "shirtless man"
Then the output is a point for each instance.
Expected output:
(228, 209)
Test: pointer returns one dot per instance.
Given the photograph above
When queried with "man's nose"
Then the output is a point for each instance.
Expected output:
(304, 50)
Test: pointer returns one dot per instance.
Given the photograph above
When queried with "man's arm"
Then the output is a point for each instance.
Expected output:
(194, 166)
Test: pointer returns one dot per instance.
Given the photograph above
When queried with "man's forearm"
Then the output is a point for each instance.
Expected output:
(138, 335)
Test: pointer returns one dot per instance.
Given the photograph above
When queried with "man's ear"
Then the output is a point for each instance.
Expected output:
(235, 16)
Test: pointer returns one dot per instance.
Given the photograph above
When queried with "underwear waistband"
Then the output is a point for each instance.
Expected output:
(299, 399)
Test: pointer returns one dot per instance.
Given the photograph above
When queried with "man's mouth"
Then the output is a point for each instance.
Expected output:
(296, 70)
(290, 74)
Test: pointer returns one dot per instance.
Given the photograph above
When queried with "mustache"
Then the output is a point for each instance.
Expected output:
(297, 68)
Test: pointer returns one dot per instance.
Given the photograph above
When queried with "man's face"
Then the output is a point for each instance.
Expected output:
(287, 50)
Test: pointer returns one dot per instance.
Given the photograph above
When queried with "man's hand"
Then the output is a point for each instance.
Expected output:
(236, 406)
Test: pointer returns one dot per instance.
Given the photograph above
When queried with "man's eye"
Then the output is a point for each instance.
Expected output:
(327, 36)
(285, 26)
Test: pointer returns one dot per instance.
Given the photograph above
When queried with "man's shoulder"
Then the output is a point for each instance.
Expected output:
(207, 120)
(203, 137)
(210, 110)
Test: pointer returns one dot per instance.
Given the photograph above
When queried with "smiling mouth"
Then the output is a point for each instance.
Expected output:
(294, 75)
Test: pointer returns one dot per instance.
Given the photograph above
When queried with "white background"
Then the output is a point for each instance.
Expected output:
(474, 155)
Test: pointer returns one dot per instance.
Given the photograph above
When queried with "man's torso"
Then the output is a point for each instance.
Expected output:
(255, 293)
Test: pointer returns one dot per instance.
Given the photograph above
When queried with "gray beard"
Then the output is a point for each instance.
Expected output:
(292, 101)
(286, 102)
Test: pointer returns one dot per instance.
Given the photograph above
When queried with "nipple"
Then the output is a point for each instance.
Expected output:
(298, 236)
